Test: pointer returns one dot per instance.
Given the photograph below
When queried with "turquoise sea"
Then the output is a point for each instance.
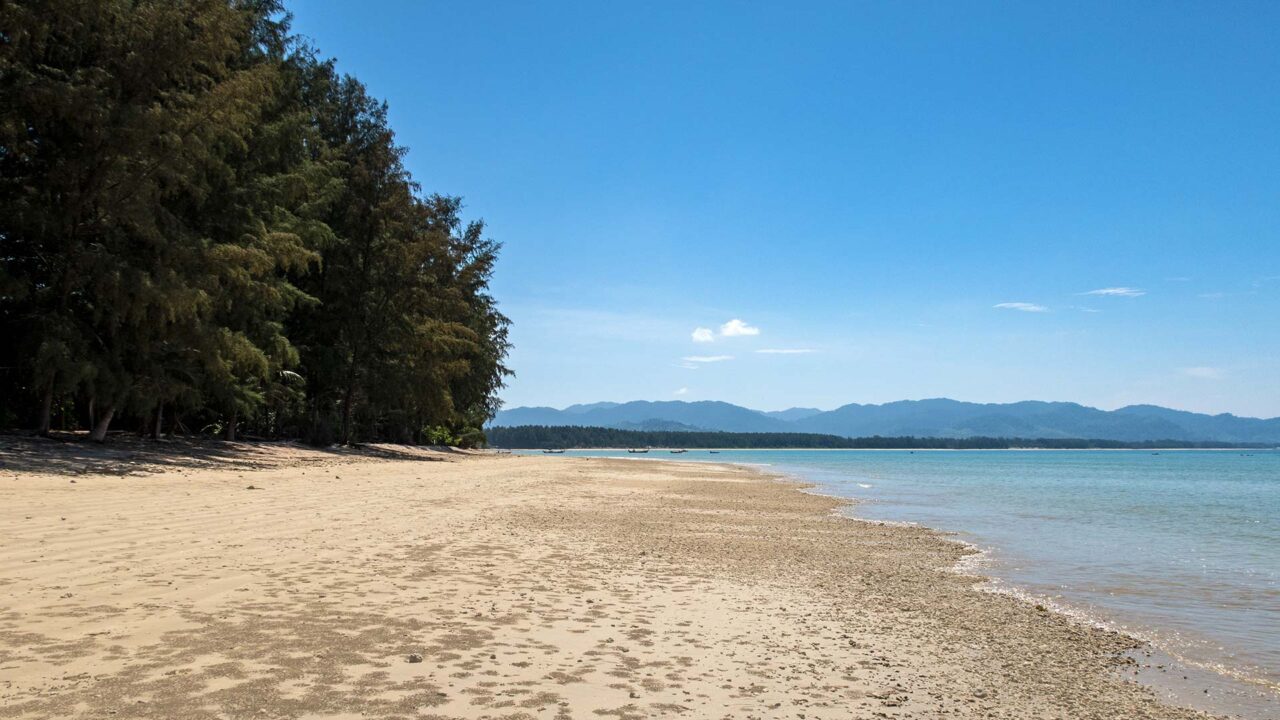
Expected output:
(1179, 547)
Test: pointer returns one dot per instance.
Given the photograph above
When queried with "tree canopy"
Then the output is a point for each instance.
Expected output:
(205, 226)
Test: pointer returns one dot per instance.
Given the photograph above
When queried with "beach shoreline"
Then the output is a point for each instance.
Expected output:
(1213, 688)
(305, 584)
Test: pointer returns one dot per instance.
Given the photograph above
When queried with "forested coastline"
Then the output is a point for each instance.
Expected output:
(581, 437)
(205, 227)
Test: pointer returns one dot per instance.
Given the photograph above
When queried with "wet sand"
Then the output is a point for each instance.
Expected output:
(353, 586)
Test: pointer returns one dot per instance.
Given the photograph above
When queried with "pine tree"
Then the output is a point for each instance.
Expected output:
(198, 215)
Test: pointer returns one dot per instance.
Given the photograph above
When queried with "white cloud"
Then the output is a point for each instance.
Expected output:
(1023, 306)
(1204, 373)
(1213, 295)
(706, 358)
(1085, 309)
(681, 391)
(1117, 292)
(733, 328)
(736, 327)
(786, 351)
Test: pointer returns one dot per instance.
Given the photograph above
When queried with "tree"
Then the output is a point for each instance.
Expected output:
(119, 123)
(198, 214)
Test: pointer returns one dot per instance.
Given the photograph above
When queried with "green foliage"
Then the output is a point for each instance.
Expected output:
(438, 435)
(200, 218)
(472, 437)
(467, 437)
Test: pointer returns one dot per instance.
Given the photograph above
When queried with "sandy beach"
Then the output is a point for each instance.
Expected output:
(260, 581)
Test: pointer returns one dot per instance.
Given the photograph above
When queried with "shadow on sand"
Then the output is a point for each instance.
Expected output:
(128, 454)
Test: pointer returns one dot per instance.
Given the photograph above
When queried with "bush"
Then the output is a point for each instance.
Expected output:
(438, 435)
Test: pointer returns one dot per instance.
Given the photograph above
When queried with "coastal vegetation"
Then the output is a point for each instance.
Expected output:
(580, 437)
(205, 226)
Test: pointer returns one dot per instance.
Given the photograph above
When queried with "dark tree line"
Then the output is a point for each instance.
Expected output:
(204, 226)
(580, 437)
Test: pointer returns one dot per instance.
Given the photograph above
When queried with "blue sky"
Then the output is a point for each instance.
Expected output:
(925, 197)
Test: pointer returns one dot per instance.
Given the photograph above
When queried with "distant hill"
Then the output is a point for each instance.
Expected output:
(941, 418)
(578, 437)
(657, 426)
(705, 415)
(581, 409)
(796, 413)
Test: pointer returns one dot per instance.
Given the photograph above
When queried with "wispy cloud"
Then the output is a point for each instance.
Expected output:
(703, 335)
(786, 351)
(1117, 292)
(1212, 295)
(706, 358)
(1083, 309)
(1204, 373)
(736, 328)
(1023, 306)
(681, 391)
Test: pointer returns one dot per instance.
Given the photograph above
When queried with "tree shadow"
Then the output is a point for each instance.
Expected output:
(127, 454)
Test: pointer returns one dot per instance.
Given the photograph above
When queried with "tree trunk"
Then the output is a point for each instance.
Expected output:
(100, 426)
(346, 414)
(353, 373)
(46, 410)
(231, 428)
(159, 426)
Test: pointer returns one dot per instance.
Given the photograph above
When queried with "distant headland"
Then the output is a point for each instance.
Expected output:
(934, 418)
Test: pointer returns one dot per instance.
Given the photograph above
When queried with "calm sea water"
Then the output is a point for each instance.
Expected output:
(1179, 547)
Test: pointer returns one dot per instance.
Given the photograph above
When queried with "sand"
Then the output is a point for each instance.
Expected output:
(414, 584)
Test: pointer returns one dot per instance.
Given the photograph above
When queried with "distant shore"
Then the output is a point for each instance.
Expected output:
(588, 437)
(313, 583)
(661, 450)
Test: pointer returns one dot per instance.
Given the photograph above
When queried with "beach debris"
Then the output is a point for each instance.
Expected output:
(415, 658)
(251, 487)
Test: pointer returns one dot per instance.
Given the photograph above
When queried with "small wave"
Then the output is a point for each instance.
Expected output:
(864, 486)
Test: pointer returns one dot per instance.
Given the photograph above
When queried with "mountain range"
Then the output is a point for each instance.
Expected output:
(920, 418)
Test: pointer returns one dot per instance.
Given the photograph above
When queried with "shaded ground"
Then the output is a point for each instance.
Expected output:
(126, 454)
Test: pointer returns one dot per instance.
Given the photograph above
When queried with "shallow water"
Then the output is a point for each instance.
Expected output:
(1178, 547)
